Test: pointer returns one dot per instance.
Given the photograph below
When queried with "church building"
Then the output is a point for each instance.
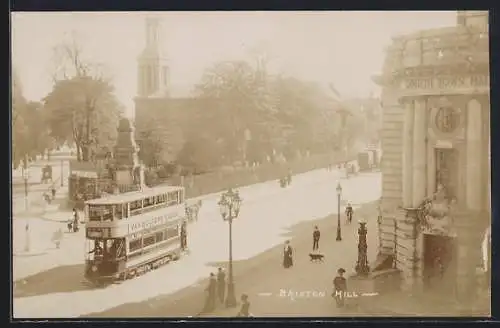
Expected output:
(161, 113)
(436, 155)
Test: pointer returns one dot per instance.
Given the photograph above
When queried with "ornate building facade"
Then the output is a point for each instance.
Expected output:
(436, 154)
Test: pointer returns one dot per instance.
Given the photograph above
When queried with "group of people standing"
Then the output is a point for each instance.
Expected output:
(216, 291)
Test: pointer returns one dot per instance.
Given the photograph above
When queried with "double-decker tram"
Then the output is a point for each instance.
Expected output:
(131, 233)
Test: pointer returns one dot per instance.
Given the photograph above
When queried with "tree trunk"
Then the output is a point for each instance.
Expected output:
(85, 153)
(78, 152)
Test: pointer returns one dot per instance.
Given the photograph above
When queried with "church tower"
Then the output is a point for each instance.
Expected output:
(153, 74)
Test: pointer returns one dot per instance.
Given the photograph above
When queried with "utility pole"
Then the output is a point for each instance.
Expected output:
(26, 177)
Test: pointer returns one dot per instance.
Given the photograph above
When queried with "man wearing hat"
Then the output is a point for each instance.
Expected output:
(211, 289)
(245, 307)
(339, 287)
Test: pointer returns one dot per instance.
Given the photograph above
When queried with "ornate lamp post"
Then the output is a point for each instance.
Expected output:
(229, 204)
(62, 173)
(339, 194)
(362, 268)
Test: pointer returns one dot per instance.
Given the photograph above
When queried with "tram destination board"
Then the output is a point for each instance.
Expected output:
(98, 233)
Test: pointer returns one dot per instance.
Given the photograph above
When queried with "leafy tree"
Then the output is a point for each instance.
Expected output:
(30, 135)
(82, 106)
(241, 99)
(200, 154)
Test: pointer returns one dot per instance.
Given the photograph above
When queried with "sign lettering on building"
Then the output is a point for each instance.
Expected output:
(151, 222)
(452, 82)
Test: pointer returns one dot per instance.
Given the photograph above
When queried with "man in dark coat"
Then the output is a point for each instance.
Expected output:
(211, 289)
(221, 284)
(316, 235)
(339, 287)
(287, 255)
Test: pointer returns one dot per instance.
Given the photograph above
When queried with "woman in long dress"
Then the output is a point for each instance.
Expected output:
(287, 255)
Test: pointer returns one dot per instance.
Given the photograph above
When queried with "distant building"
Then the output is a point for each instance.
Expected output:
(436, 157)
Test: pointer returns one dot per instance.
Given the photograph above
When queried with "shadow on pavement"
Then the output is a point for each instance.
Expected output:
(64, 279)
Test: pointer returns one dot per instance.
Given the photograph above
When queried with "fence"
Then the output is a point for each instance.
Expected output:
(238, 177)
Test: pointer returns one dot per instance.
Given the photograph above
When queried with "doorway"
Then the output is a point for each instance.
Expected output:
(439, 263)
(447, 171)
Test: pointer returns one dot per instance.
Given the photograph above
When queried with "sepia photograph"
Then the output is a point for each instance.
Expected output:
(250, 164)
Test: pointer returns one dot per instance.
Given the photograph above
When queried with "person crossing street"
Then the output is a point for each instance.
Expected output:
(316, 236)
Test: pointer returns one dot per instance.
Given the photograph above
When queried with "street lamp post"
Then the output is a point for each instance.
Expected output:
(230, 208)
(339, 194)
(362, 268)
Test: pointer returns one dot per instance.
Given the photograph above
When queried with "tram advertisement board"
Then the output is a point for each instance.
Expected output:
(150, 222)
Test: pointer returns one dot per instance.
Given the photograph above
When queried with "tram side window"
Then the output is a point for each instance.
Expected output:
(135, 205)
(119, 211)
(94, 213)
(100, 213)
(135, 245)
(172, 198)
(149, 240)
(159, 236)
(171, 232)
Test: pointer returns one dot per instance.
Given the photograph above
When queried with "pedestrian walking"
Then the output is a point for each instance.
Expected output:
(349, 212)
(287, 255)
(245, 307)
(221, 284)
(53, 190)
(184, 236)
(75, 220)
(210, 291)
(57, 237)
(316, 236)
(339, 287)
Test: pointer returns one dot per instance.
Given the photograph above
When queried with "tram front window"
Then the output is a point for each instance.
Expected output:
(105, 249)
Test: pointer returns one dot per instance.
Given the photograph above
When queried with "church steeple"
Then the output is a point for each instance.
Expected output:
(152, 75)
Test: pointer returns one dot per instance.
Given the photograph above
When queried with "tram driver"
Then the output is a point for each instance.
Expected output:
(98, 250)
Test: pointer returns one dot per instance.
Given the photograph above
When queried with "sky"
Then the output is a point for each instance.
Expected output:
(345, 48)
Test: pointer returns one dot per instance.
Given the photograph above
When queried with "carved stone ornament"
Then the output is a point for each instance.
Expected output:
(435, 214)
(446, 121)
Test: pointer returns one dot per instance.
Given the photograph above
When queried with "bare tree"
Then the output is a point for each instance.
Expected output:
(82, 102)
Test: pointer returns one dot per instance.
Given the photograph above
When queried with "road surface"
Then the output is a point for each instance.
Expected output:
(267, 212)
(304, 290)
(35, 188)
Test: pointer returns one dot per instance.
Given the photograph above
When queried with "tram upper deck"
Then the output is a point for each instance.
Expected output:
(117, 210)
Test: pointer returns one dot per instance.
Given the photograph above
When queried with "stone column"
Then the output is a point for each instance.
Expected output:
(469, 247)
(419, 152)
(473, 181)
(431, 169)
(408, 153)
